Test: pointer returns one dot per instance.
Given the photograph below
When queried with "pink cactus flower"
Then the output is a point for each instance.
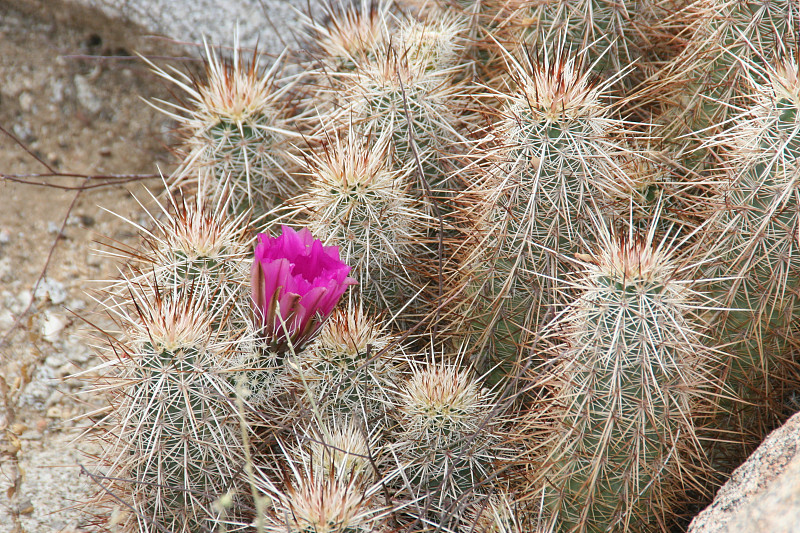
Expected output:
(296, 281)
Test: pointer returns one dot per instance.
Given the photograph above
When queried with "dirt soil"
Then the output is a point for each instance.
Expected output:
(81, 115)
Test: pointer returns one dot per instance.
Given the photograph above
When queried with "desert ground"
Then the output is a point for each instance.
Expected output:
(72, 101)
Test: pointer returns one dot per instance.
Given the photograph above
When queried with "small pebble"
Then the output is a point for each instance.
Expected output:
(25, 507)
(85, 93)
(6, 319)
(5, 236)
(31, 435)
(53, 361)
(26, 101)
(52, 327)
(24, 298)
(76, 304)
(53, 289)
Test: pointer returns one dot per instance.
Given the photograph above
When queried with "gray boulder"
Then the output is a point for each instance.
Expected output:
(269, 23)
(763, 495)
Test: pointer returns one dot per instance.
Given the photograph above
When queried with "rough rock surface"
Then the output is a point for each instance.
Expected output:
(191, 20)
(763, 495)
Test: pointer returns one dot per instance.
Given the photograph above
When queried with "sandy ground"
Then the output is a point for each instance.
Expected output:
(82, 115)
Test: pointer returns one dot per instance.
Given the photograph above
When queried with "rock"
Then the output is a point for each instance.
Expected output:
(764, 493)
(85, 94)
(54, 361)
(26, 101)
(25, 507)
(23, 132)
(6, 270)
(52, 289)
(57, 88)
(52, 327)
(6, 319)
(76, 304)
(217, 20)
(24, 299)
(5, 236)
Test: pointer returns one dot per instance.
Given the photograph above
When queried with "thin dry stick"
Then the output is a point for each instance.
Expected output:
(42, 274)
(112, 179)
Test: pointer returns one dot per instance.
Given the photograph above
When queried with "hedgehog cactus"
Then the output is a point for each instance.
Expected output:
(340, 449)
(759, 225)
(554, 157)
(306, 500)
(349, 368)
(234, 133)
(397, 93)
(700, 88)
(194, 246)
(497, 515)
(352, 33)
(352, 194)
(170, 425)
(439, 154)
(617, 33)
(626, 388)
(446, 437)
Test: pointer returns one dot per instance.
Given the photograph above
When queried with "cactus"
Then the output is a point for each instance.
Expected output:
(618, 33)
(626, 387)
(497, 514)
(343, 451)
(434, 45)
(447, 432)
(234, 132)
(758, 226)
(191, 244)
(307, 501)
(394, 95)
(352, 193)
(700, 88)
(170, 429)
(554, 155)
(462, 177)
(349, 369)
(351, 34)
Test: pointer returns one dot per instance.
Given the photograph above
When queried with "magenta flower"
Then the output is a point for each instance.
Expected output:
(297, 280)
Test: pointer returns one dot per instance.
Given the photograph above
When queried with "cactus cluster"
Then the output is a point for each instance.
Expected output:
(570, 231)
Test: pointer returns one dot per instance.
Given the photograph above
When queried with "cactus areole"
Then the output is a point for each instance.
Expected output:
(296, 284)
